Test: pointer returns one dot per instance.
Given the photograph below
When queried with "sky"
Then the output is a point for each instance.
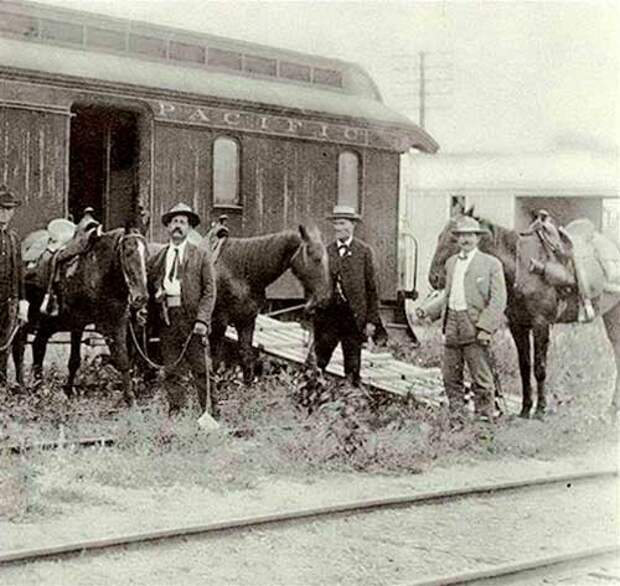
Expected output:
(502, 76)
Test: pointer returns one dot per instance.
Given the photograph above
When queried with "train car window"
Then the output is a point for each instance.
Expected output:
(349, 179)
(226, 172)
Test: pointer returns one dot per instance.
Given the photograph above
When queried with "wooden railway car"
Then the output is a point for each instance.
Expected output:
(110, 113)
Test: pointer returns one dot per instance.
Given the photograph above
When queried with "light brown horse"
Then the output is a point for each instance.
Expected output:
(247, 266)
(532, 307)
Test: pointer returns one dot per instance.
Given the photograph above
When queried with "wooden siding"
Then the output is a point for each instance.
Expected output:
(33, 164)
(380, 215)
(182, 172)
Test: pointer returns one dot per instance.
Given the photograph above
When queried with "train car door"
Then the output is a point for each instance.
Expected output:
(104, 157)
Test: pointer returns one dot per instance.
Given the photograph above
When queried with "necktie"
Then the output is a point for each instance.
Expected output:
(175, 264)
(343, 248)
(462, 256)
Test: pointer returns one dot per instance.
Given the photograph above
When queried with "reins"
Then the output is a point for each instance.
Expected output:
(149, 361)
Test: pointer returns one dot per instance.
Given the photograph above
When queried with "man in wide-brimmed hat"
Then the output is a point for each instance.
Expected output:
(13, 304)
(475, 300)
(353, 311)
(183, 279)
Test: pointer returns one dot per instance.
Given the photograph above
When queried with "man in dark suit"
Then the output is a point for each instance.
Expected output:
(473, 308)
(13, 304)
(353, 311)
(182, 277)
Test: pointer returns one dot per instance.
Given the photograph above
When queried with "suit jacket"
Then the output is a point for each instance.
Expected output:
(17, 288)
(198, 281)
(485, 290)
(358, 279)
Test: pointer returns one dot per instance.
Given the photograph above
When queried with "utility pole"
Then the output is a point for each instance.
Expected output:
(422, 94)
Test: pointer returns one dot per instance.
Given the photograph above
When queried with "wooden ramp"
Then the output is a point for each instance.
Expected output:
(382, 371)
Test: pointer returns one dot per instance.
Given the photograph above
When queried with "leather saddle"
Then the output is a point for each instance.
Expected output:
(50, 253)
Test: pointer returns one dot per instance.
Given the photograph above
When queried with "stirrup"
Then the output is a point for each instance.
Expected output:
(586, 311)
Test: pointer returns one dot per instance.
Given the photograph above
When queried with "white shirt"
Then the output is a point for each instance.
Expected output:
(173, 287)
(347, 243)
(457, 301)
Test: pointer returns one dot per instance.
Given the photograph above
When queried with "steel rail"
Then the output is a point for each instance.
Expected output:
(241, 523)
(513, 569)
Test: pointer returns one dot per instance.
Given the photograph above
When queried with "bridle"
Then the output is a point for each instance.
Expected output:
(120, 249)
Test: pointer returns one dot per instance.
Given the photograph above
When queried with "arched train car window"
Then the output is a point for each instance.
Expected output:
(349, 179)
(226, 172)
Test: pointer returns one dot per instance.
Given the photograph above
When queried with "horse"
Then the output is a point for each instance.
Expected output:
(532, 307)
(107, 282)
(247, 266)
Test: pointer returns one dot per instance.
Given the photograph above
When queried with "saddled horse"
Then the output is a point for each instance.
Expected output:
(106, 283)
(532, 307)
(247, 266)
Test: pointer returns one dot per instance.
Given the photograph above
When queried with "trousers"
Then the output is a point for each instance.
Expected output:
(462, 348)
(337, 324)
(5, 327)
(172, 339)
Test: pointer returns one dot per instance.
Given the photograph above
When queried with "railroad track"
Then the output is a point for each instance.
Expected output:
(530, 568)
(300, 516)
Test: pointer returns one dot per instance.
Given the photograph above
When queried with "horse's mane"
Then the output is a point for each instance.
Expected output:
(260, 255)
(498, 236)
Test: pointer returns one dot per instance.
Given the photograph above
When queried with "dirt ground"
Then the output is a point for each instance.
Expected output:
(378, 548)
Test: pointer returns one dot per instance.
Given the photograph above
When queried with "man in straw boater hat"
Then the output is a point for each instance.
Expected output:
(474, 304)
(352, 313)
(183, 279)
(13, 304)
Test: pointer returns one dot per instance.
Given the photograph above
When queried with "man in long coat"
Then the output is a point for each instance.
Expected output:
(353, 310)
(473, 309)
(182, 277)
(13, 304)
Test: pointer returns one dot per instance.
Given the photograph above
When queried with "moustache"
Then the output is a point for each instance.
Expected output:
(177, 230)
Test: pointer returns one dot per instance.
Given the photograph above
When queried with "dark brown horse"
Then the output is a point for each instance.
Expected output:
(106, 283)
(247, 266)
(532, 307)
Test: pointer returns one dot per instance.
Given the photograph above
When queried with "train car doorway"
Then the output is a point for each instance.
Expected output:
(104, 158)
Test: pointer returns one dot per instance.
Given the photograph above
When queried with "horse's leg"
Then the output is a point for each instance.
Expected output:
(216, 338)
(117, 343)
(74, 360)
(541, 344)
(245, 334)
(521, 336)
(39, 347)
(611, 319)
(18, 351)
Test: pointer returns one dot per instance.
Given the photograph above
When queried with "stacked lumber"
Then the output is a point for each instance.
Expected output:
(288, 340)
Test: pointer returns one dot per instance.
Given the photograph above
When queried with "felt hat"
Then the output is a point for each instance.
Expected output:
(181, 209)
(468, 225)
(7, 199)
(344, 212)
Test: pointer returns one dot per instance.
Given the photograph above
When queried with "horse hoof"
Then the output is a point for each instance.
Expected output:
(539, 415)
(525, 413)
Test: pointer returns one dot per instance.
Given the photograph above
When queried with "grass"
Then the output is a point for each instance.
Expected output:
(287, 424)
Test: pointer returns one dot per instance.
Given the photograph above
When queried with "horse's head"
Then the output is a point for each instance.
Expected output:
(310, 265)
(133, 254)
(446, 247)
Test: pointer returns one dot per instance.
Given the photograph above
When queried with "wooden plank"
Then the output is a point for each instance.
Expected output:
(382, 371)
